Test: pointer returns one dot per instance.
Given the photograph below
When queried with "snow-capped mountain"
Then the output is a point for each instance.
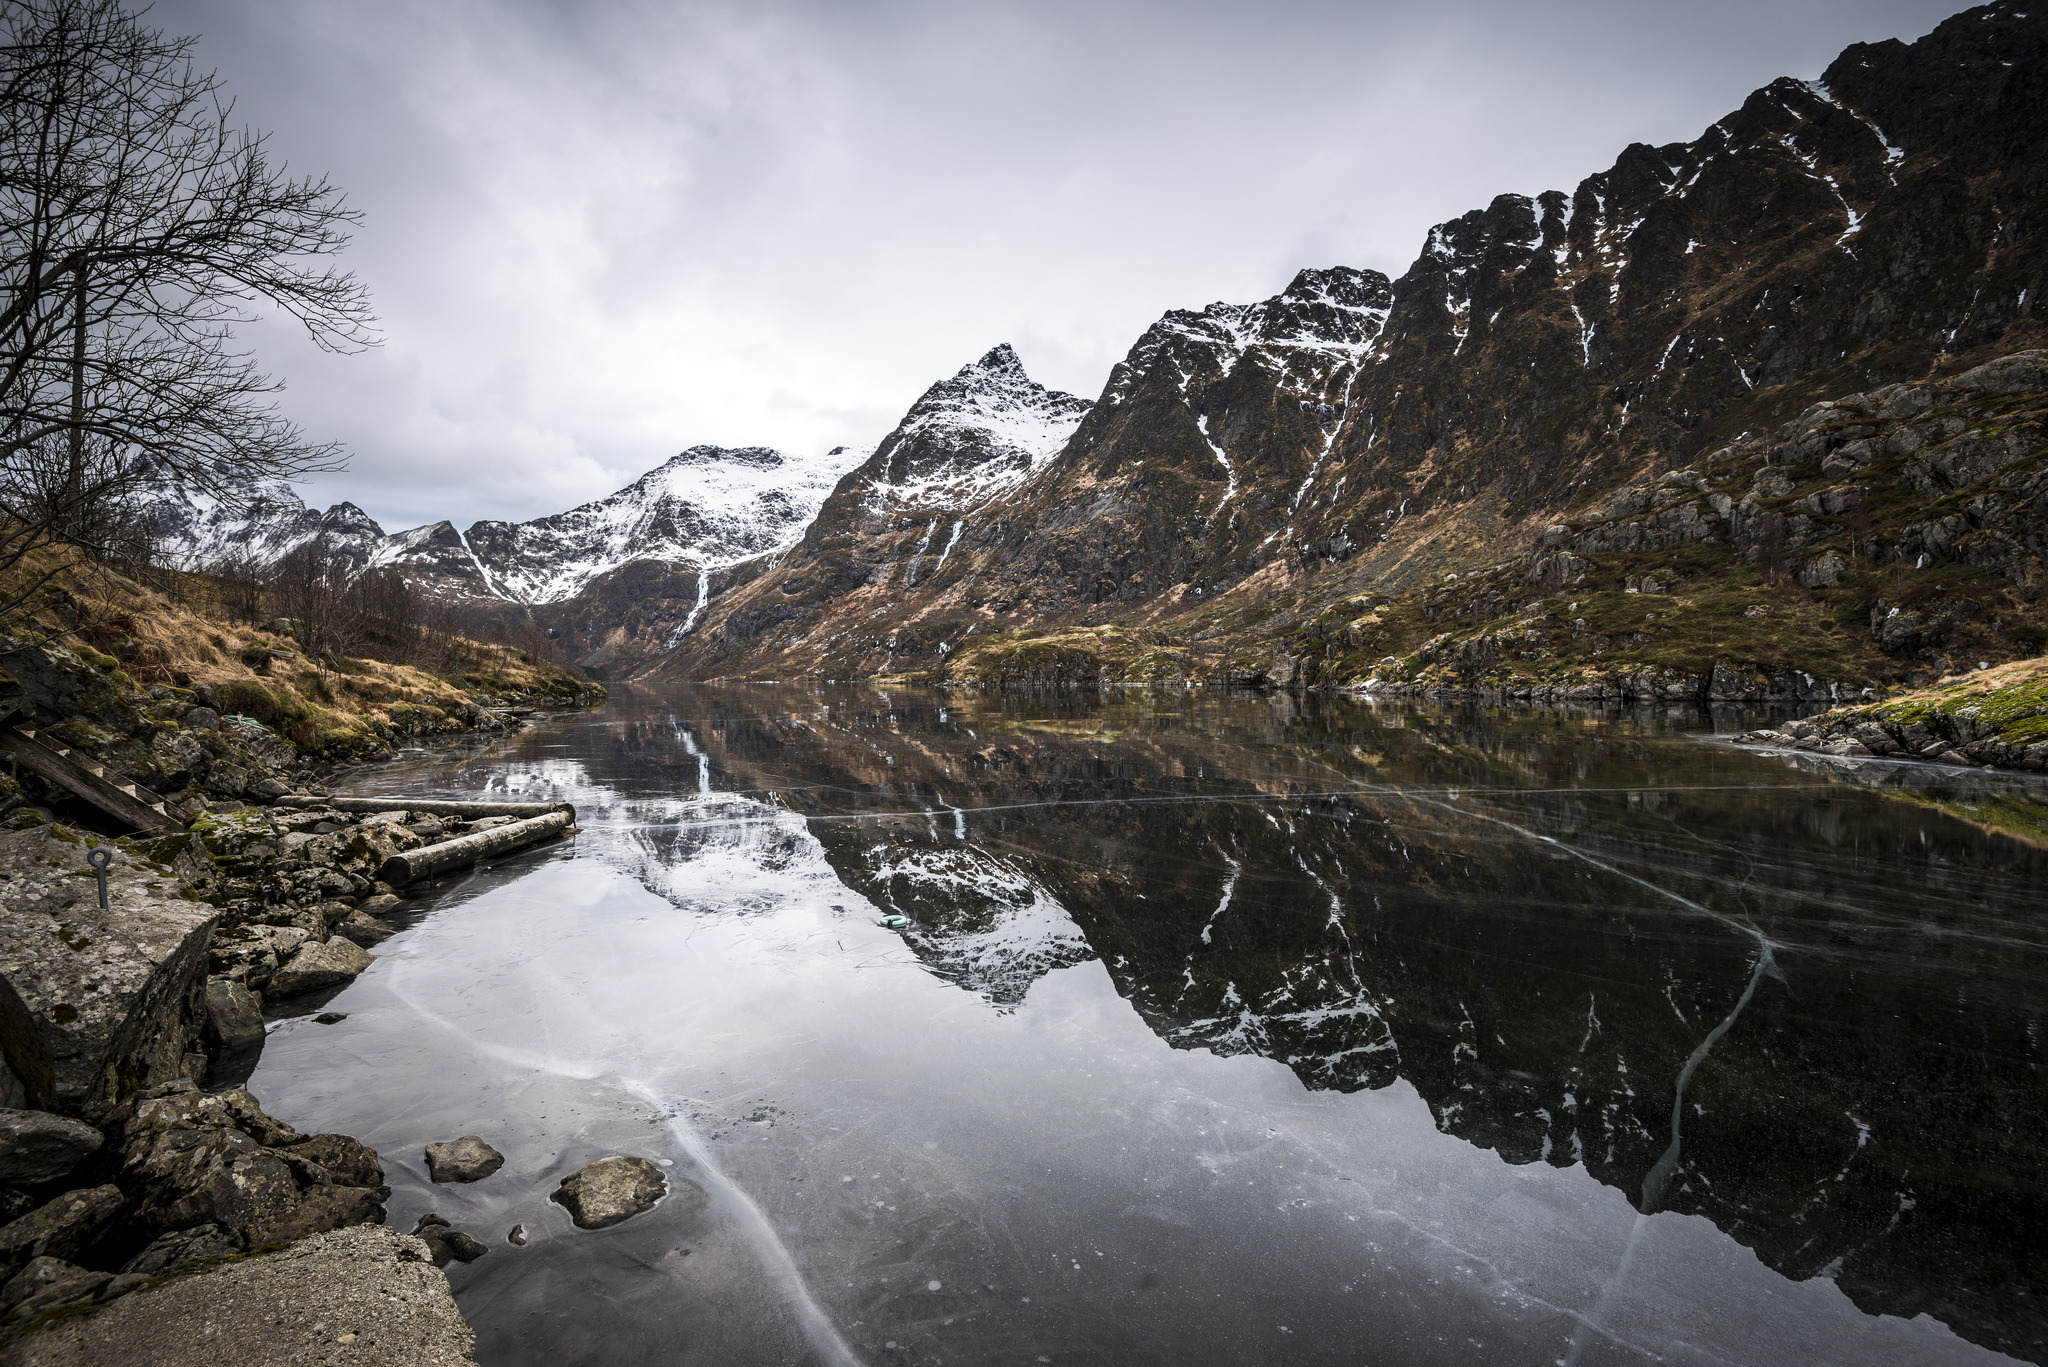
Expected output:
(706, 508)
(709, 506)
(267, 521)
(969, 442)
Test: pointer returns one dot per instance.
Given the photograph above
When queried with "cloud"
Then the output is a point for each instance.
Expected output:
(598, 233)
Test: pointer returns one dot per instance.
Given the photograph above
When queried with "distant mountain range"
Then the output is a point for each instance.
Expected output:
(707, 507)
(1280, 491)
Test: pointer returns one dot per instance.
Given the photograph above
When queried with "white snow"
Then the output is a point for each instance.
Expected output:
(974, 438)
(708, 506)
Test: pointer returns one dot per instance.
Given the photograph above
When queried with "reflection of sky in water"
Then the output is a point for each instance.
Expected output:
(977, 1141)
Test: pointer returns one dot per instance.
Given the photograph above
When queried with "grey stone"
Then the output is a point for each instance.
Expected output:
(361, 928)
(36, 1146)
(446, 1243)
(47, 1283)
(199, 1158)
(181, 1247)
(320, 965)
(610, 1190)
(467, 1159)
(2022, 372)
(108, 1001)
(234, 1012)
(62, 1227)
(368, 1296)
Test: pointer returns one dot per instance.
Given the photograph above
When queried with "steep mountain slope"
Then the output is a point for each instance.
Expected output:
(1247, 469)
(960, 454)
(707, 507)
(874, 567)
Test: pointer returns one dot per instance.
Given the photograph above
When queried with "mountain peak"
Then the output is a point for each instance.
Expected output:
(998, 359)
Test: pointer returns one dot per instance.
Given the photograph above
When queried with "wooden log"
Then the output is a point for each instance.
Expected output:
(129, 803)
(428, 860)
(468, 811)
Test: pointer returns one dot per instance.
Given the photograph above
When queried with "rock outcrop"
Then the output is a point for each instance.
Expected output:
(94, 1002)
(192, 1158)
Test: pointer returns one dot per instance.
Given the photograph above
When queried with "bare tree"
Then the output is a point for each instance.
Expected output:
(138, 226)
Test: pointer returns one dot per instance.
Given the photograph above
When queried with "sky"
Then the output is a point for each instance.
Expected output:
(600, 231)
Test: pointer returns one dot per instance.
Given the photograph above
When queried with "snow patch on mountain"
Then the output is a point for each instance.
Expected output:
(710, 506)
(265, 521)
(972, 438)
(1323, 319)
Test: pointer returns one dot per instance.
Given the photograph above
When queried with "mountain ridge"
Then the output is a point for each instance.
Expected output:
(1825, 238)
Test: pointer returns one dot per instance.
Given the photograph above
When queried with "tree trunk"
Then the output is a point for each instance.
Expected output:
(469, 811)
(401, 869)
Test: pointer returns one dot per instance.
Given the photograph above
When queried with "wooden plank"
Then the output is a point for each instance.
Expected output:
(431, 805)
(131, 804)
(428, 860)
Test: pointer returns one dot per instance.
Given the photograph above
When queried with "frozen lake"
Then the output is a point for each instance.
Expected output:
(1221, 1030)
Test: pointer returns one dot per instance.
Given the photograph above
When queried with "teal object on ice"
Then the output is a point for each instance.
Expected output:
(895, 922)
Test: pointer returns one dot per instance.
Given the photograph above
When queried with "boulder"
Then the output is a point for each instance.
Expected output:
(195, 1158)
(2023, 372)
(183, 1247)
(445, 1243)
(363, 929)
(47, 1283)
(346, 1160)
(467, 1159)
(36, 1146)
(320, 965)
(94, 1004)
(609, 1191)
(367, 1296)
(63, 1227)
(61, 684)
(233, 1012)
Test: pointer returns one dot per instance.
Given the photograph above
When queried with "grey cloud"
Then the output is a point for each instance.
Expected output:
(599, 233)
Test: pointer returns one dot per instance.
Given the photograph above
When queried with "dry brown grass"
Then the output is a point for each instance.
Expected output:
(176, 633)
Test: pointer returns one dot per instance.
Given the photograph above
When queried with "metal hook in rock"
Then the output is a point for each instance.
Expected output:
(99, 857)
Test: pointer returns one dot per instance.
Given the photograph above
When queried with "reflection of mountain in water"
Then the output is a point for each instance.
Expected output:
(1533, 923)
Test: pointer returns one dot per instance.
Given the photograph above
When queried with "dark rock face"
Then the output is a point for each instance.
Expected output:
(183, 1247)
(47, 1283)
(37, 1147)
(233, 1012)
(601, 1194)
(192, 1159)
(467, 1159)
(446, 1243)
(1353, 434)
(65, 1227)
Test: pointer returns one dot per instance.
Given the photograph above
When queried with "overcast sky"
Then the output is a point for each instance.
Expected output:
(600, 232)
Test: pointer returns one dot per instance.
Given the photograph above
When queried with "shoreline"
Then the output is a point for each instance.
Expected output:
(132, 1158)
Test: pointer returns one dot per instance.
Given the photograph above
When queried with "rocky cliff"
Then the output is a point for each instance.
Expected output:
(1248, 467)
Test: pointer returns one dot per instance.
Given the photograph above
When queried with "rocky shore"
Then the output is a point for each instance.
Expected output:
(132, 1197)
(1995, 719)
